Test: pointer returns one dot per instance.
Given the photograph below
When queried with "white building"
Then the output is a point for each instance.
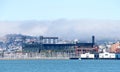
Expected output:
(87, 55)
(106, 55)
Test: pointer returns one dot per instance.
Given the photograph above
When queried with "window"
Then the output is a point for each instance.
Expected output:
(106, 54)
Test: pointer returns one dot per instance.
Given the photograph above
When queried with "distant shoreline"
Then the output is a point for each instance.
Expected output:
(57, 58)
(39, 58)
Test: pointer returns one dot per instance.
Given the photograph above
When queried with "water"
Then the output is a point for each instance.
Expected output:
(59, 65)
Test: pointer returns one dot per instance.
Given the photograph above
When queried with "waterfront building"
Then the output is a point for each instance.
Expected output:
(87, 55)
(82, 48)
(51, 46)
(115, 48)
(107, 55)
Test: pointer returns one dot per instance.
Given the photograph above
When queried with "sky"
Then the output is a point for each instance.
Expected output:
(56, 9)
(64, 18)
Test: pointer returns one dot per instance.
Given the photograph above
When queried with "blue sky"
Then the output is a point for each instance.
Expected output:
(20, 10)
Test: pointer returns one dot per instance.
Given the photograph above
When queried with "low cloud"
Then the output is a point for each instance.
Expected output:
(64, 28)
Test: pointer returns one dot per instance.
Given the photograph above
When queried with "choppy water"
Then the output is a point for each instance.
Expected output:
(59, 65)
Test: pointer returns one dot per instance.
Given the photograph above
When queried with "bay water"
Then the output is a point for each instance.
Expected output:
(59, 65)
